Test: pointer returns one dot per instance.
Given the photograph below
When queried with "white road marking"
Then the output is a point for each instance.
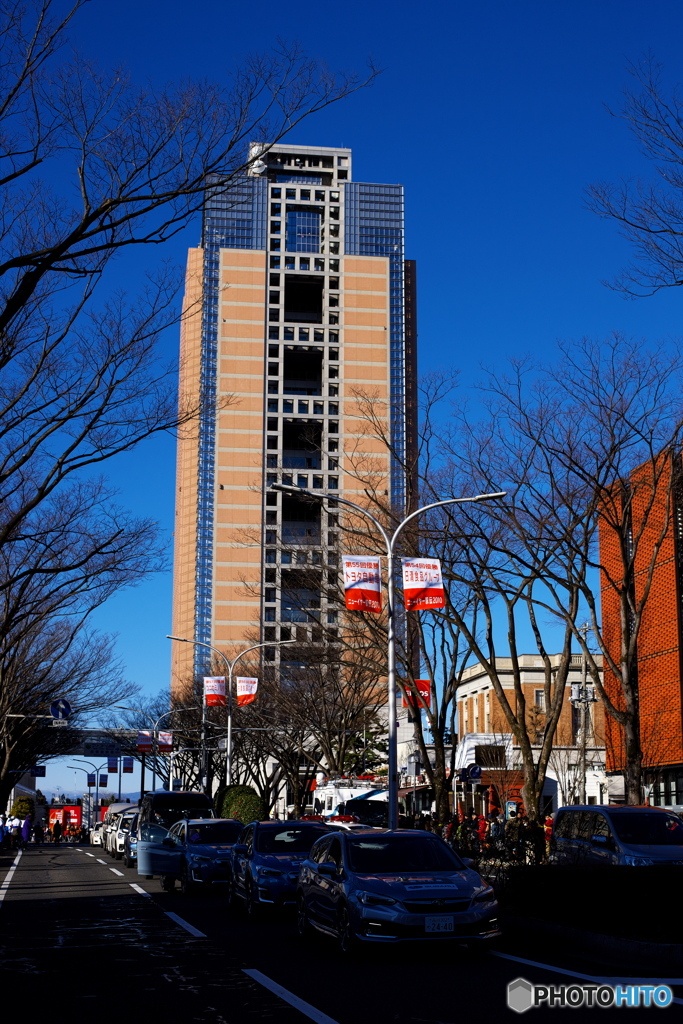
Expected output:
(90, 854)
(138, 889)
(185, 924)
(591, 977)
(309, 1011)
(8, 877)
(117, 872)
(101, 862)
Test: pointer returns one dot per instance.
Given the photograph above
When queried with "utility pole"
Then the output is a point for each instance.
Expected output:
(582, 696)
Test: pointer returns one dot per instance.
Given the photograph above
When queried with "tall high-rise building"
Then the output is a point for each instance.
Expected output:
(298, 301)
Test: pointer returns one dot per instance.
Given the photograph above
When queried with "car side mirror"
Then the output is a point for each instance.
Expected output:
(327, 868)
(167, 841)
(239, 848)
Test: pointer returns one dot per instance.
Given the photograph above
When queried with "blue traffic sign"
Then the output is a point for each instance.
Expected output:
(474, 771)
(60, 709)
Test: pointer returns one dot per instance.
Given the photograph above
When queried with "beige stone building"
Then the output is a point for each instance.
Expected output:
(298, 299)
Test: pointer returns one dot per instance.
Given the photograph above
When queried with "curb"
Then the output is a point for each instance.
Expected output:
(665, 957)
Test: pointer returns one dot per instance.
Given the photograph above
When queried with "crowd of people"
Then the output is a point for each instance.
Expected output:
(476, 835)
(16, 834)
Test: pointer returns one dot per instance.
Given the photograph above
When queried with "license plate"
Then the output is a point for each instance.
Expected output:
(438, 924)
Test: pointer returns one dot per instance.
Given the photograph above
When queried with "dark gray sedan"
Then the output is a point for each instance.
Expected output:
(383, 886)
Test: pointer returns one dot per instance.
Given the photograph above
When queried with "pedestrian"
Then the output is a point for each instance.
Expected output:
(57, 832)
(14, 829)
(38, 833)
(26, 828)
(548, 831)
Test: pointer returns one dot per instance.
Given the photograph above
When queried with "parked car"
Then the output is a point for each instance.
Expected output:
(96, 833)
(110, 823)
(594, 835)
(384, 886)
(130, 843)
(197, 852)
(266, 861)
(120, 829)
(162, 807)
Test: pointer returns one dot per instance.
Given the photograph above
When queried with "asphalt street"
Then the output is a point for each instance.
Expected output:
(90, 939)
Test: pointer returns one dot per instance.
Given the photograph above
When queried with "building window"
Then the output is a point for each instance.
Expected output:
(269, 614)
(275, 262)
(273, 405)
(539, 699)
(287, 405)
(274, 333)
(302, 231)
(270, 595)
(271, 555)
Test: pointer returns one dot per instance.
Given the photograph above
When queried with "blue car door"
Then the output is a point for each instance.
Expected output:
(241, 860)
(158, 850)
(329, 886)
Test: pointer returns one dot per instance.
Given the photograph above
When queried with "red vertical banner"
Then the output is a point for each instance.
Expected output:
(424, 688)
(422, 584)
(214, 691)
(362, 583)
(246, 690)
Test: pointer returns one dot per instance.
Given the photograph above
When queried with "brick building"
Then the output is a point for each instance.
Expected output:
(651, 521)
(481, 721)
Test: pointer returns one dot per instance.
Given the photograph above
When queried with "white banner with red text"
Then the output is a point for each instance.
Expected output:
(422, 584)
(246, 690)
(362, 583)
(214, 691)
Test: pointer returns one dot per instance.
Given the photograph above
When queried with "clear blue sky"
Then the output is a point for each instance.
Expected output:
(493, 117)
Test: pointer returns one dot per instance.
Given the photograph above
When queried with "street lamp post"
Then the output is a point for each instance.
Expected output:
(96, 772)
(77, 769)
(229, 665)
(391, 636)
(155, 744)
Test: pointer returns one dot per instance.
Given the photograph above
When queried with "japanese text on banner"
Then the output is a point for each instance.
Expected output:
(246, 690)
(214, 691)
(362, 583)
(422, 584)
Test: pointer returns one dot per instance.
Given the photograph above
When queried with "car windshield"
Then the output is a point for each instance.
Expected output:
(288, 840)
(382, 855)
(169, 815)
(643, 829)
(215, 832)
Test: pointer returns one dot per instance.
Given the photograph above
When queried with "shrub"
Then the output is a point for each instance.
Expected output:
(243, 803)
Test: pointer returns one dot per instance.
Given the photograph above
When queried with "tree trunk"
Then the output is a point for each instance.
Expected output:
(633, 775)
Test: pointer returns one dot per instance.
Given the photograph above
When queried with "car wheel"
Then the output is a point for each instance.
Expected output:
(303, 925)
(250, 904)
(345, 934)
(167, 883)
(127, 862)
(187, 886)
(117, 855)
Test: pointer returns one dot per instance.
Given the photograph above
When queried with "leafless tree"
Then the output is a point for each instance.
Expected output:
(588, 448)
(649, 214)
(92, 167)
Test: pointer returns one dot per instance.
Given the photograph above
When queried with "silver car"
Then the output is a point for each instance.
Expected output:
(389, 887)
(597, 835)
